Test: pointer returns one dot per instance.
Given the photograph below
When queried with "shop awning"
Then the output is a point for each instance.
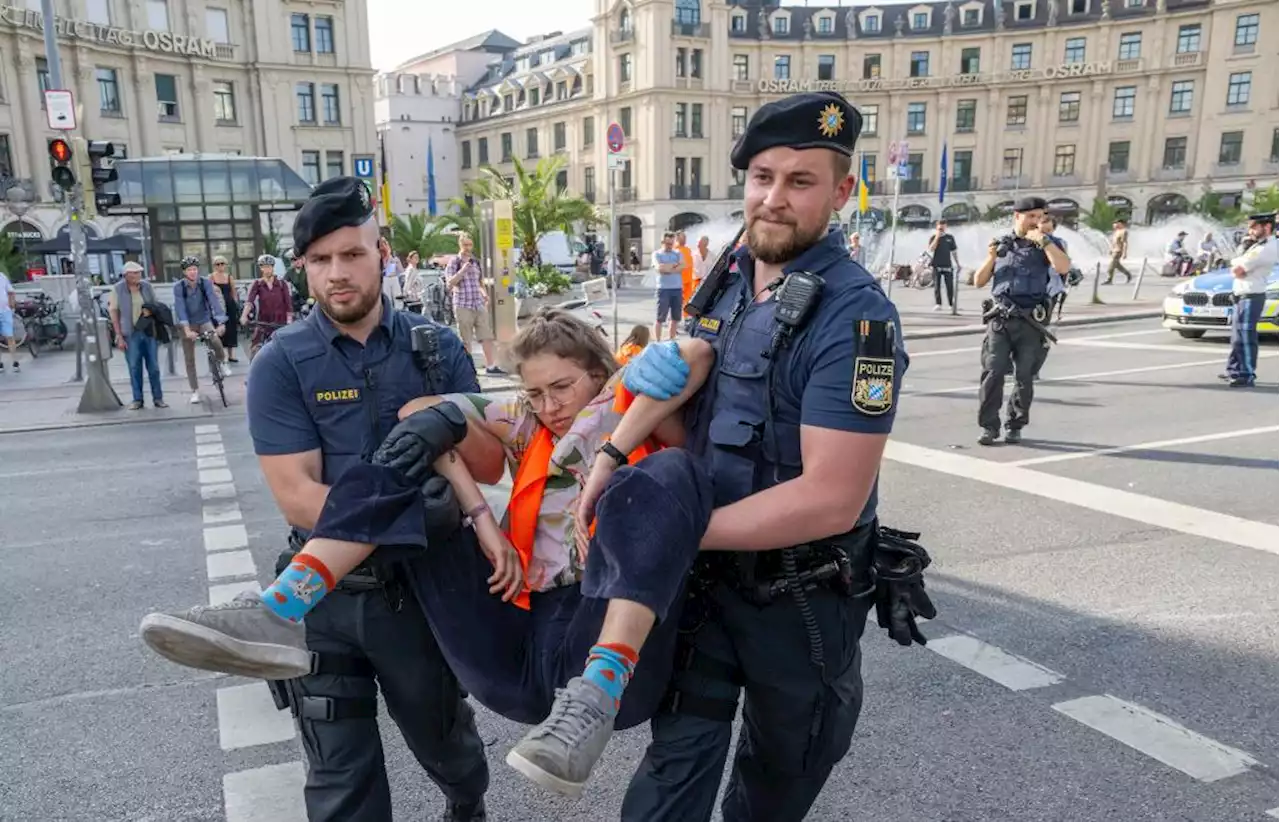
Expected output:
(207, 179)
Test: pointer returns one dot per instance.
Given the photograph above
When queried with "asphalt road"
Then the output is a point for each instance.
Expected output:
(1105, 647)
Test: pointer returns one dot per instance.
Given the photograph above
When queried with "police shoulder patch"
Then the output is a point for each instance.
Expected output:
(874, 362)
(337, 395)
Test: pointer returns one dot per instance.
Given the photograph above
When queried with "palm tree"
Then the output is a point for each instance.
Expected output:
(538, 205)
(428, 236)
(1102, 216)
(12, 261)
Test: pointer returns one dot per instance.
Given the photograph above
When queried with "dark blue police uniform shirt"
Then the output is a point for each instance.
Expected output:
(329, 392)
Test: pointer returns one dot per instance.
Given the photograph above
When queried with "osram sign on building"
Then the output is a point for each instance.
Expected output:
(1062, 72)
(161, 41)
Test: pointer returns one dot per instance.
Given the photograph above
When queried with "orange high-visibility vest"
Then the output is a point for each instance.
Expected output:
(626, 352)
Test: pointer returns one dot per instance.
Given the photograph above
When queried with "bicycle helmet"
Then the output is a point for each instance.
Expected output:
(189, 261)
(267, 259)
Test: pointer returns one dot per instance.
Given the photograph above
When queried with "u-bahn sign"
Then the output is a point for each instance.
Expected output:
(1062, 72)
(161, 41)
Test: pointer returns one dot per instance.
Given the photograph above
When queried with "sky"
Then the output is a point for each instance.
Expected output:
(395, 42)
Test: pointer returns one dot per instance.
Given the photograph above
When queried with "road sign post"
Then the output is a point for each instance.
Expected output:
(616, 140)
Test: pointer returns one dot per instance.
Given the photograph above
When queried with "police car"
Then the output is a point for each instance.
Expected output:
(1204, 304)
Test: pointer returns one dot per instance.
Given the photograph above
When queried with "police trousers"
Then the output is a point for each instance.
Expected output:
(1242, 363)
(797, 721)
(379, 640)
(1010, 345)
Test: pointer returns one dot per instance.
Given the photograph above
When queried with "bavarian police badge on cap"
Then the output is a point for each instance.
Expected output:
(830, 120)
(366, 201)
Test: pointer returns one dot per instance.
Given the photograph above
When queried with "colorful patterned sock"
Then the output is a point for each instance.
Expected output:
(299, 588)
(610, 665)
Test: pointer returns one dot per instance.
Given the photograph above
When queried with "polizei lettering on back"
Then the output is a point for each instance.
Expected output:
(161, 41)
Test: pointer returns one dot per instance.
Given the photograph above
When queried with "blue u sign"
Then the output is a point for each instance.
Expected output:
(364, 167)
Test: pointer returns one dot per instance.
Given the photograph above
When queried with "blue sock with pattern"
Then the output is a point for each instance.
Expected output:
(610, 665)
(299, 588)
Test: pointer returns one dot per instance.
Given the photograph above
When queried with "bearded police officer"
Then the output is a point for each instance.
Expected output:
(791, 425)
(1021, 264)
(322, 396)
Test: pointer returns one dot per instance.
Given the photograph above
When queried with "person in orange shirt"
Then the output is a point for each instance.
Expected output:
(633, 344)
(686, 268)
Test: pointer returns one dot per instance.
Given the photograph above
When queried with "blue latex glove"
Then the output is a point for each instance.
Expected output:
(658, 372)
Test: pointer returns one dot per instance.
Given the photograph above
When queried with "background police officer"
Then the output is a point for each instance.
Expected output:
(1021, 264)
(322, 396)
(791, 424)
(1249, 273)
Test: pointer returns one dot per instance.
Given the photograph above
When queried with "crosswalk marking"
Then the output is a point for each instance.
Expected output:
(215, 475)
(247, 717)
(225, 537)
(226, 592)
(1013, 672)
(221, 512)
(223, 490)
(210, 450)
(229, 564)
(271, 793)
(205, 463)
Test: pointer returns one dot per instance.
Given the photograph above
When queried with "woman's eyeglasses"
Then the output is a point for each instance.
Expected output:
(557, 394)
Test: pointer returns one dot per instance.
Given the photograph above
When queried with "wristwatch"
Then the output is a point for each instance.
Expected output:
(610, 450)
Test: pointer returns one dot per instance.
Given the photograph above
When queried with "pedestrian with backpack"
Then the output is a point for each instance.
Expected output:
(198, 309)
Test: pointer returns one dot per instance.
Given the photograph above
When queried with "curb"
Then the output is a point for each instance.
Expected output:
(101, 423)
(1097, 319)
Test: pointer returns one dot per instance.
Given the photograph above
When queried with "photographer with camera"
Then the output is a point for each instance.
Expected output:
(1022, 264)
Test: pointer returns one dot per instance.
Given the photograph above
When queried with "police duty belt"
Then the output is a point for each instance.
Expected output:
(1035, 318)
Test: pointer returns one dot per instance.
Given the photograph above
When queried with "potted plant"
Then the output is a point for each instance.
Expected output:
(537, 286)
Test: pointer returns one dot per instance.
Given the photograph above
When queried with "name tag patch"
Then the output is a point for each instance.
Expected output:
(873, 385)
(336, 396)
(709, 324)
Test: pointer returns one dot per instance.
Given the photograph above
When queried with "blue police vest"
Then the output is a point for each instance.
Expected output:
(355, 404)
(1022, 275)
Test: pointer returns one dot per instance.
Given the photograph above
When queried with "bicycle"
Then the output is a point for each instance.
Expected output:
(215, 365)
(262, 332)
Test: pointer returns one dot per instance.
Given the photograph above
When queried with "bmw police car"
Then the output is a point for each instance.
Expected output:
(1204, 304)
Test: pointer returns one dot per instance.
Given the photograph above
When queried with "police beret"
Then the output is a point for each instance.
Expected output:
(340, 202)
(820, 119)
(1029, 204)
(1263, 219)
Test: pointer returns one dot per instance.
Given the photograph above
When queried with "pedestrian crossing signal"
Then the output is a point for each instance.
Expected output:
(103, 171)
(60, 153)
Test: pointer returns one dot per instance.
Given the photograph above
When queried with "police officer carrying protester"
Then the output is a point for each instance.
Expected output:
(321, 397)
(1021, 264)
(791, 425)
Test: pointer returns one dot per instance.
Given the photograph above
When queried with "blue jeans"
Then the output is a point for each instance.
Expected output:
(1243, 360)
(142, 350)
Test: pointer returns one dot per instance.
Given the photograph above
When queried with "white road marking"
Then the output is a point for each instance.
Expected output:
(1160, 513)
(1144, 446)
(221, 512)
(205, 463)
(1274, 812)
(215, 475)
(206, 429)
(248, 717)
(272, 793)
(230, 564)
(1075, 340)
(222, 490)
(225, 538)
(1171, 348)
(210, 450)
(206, 439)
(915, 355)
(1159, 737)
(219, 594)
(1013, 672)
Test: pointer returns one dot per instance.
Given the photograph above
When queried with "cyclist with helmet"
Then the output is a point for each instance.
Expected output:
(197, 308)
(297, 277)
(272, 303)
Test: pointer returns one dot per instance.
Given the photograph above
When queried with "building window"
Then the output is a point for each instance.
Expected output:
(1011, 164)
(108, 91)
(1180, 97)
(738, 24)
(919, 21)
(871, 67)
(1069, 107)
(695, 176)
(1134, 4)
(972, 17)
(680, 127)
(741, 69)
(680, 62)
(334, 165)
(158, 15)
(1016, 114)
(915, 166)
(695, 120)
(300, 32)
(1189, 38)
(98, 11)
(217, 26)
(465, 162)
(1175, 152)
(962, 166)
(42, 77)
(588, 132)
(871, 25)
(1074, 51)
(224, 102)
(505, 139)
(1246, 29)
(919, 64)
(781, 25)
(695, 64)
(1024, 11)
(1275, 145)
(678, 174)
(782, 67)
(738, 121)
(1229, 148)
(1064, 161)
(1238, 87)
(167, 97)
(324, 34)
(870, 177)
(871, 119)
(1118, 157)
(562, 180)
(329, 104)
(688, 12)
(1123, 102)
(482, 151)
(311, 167)
(826, 25)
(589, 183)
(1021, 58)
(969, 61)
(915, 118)
(624, 68)
(534, 96)
(826, 66)
(624, 176)
(1130, 46)
(966, 115)
(559, 138)
(624, 120)
(306, 94)
(531, 142)
(1080, 6)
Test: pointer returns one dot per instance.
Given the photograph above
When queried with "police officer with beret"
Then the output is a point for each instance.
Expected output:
(321, 397)
(1021, 264)
(791, 425)
(1249, 272)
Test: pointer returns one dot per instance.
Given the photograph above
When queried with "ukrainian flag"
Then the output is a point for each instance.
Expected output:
(863, 194)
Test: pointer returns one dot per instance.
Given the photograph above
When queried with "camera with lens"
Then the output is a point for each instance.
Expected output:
(1003, 245)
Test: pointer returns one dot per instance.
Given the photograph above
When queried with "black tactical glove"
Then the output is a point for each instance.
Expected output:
(420, 439)
(441, 514)
(900, 598)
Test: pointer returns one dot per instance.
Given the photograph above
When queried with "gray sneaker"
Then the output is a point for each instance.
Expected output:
(240, 637)
(560, 753)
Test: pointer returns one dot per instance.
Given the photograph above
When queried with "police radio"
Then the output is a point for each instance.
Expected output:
(797, 297)
(713, 284)
(425, 340)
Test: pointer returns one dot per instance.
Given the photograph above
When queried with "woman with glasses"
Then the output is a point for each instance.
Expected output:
(226, 284)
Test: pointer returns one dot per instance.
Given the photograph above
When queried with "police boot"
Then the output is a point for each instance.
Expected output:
(1013, 436)
(988, 437)
(463, 813)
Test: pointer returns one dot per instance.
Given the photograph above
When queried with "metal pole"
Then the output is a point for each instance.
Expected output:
(98, 394)
(1097, 275)
(893, 233)
(1138, 285)
(613, 251)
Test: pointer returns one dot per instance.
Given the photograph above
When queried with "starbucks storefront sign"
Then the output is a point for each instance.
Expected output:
(160, 41)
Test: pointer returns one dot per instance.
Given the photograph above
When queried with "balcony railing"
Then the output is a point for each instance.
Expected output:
(620, 36)
(627, 194)
(1128, 66)
(736, 191)
(963, 184)
(1188, 60)
(915, 186)
(1166, 175)
(690, 192)
(741, 85)
(690, 29)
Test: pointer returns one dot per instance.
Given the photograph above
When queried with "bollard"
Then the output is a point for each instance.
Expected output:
(955, 292)
(1138, 285)
(1097, 276)
(79, 352)
(172, 368)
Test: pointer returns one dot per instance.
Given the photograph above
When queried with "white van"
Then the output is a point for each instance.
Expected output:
(555, 248)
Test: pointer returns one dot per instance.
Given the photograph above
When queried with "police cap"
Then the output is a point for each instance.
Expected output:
(1263, 219)
(1029, 204)
(340, 202)
(820, 119)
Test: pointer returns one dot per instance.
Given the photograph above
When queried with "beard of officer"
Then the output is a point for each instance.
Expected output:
(1025, 221)
(790, 197)
(344, 275)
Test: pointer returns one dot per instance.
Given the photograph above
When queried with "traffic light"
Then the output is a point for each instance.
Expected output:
(60, 152)
(103, 171)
